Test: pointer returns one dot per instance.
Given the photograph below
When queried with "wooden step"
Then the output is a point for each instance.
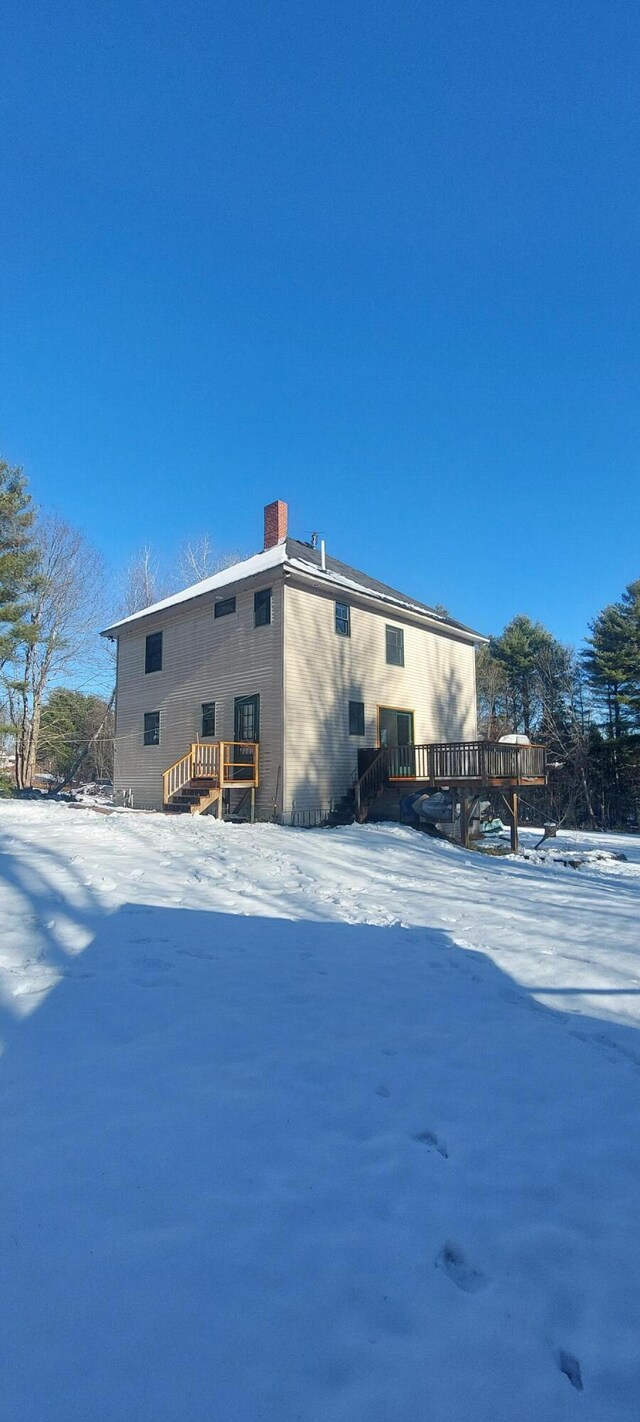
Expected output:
(195, 797)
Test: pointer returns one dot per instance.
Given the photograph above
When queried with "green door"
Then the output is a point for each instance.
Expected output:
(396, 735)
(396, 727)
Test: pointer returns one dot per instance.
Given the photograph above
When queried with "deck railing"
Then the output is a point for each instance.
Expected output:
(225, 763)
(484, 763)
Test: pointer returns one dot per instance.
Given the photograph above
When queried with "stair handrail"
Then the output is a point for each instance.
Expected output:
(370, 781)
(177, 775)
(214, 759)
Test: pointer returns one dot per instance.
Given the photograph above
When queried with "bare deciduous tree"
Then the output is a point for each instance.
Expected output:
(58, 632)
(145, 582)
(142, 582)
(199, 558)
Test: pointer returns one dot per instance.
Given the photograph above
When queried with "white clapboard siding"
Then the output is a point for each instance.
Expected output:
(203, 659)
(324, 671)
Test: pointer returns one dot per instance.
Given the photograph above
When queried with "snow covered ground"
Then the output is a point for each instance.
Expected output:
(338, 1126)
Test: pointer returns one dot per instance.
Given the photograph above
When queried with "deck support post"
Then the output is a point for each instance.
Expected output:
(464, 819)
(513, 808)
(252, 812)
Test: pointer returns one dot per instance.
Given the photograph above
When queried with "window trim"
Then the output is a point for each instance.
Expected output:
(153, 637)
(212, 707)
(146, 731)
(224, 607)
(266, 600)
(341, 631)
(400, 711)
(391, 627)
(362, 705)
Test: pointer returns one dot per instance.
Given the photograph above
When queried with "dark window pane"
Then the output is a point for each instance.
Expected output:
(208, 718)
(262, 608)
(222, 609)
(356, 718)
(152, 728)
(247, 718)
(343, 619)
(246, 721)
(153, 652)
(395, 646)
(405, 728)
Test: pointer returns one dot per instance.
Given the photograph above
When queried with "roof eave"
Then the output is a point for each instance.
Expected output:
(438, 624)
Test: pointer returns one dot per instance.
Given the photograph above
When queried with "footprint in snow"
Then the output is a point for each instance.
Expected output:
(610, 1048)
(452, 1261)
(570, 1367)
(429, 1139)
(155, 982)
(520, 999)
(149, 939)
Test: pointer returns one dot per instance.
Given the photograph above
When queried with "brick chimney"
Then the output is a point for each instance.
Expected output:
(275, 523)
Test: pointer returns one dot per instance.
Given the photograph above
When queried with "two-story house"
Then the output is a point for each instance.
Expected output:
(292, 652)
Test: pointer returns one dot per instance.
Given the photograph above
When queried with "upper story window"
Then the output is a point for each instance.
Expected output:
(395, 646)
(152, 728)
(343, 619)
(208, 718)
(224, 607)
(356, 718)
(262, 608)
(153, 652)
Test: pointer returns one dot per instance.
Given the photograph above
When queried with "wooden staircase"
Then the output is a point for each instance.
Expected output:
(197, 781)
(194, 798)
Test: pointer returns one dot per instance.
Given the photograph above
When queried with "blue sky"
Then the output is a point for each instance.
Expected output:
(377, 260)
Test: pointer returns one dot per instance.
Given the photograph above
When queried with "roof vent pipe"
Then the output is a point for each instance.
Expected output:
(323, 556)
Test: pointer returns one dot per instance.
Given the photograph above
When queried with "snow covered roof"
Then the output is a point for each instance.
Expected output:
(302, 558)
(248, 568)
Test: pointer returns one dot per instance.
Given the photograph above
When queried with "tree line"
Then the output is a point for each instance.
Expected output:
(50, 586)
(55, 592)
(583, 705)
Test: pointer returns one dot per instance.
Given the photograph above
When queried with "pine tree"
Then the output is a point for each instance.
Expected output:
(606, 665)
(18, 556)
(630, 605)
(612, 664)
(519, 650)
(76, 735)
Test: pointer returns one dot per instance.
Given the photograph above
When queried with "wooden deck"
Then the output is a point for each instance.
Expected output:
(197, 781)
(468, 766)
